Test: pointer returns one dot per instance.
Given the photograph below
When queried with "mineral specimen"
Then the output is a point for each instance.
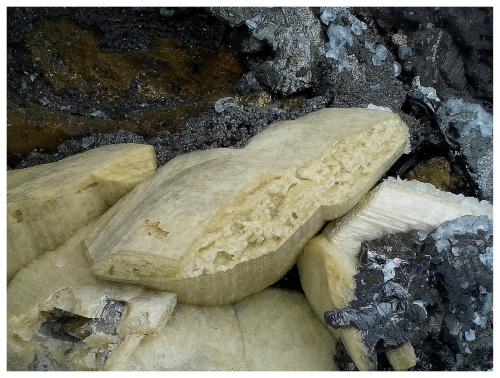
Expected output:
(329, 262)
(438, 61)
(213, 218)
(48, 203)
(271, 330)
(190, 79)
(388, 287)
(342, 26)
(379, 56)
(397, 68)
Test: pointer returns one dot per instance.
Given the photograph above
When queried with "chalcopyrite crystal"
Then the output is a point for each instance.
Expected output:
(215, 226)
(329, 263)
(61, 317)
(46, 204)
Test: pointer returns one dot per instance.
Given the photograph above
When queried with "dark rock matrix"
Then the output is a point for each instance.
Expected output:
(433, 290)
(183, 79)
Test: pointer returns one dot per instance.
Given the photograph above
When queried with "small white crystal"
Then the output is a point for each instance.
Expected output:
(397, 68)
(357, 28)
(381, 52)
(370, 46)
(487, 257)
(253, 22)
(421, 235)
(388, 269)
(470, 335)
(224, 103)
(376, 61)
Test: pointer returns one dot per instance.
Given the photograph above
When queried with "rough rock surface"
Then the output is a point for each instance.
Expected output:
(468, 129)
(434, 290)
(75, 72)
(232, 127)
(428, 32)
(293, 35)
(71, 329)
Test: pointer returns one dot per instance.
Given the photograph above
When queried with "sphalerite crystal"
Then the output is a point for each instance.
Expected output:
(433, 290)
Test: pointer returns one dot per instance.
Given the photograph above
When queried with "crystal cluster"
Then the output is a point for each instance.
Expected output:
(434, 291)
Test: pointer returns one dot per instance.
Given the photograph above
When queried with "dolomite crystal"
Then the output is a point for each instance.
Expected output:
(271, 330)
(46, 204)
(218, 225)
(329, 262)
(61, 317)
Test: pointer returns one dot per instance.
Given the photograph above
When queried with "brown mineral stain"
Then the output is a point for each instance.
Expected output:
(436, 171)
(70, 57)
(34, 126)
(264, 98)
(86, 187)
(18, 214)
(183, 80)
(154, 229)
(292, 103)
(259, 99)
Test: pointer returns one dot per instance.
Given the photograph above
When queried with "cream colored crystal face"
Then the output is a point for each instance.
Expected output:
(328, 264)
(271, 330)
(48, 203)
(218, 225)
(60, 316)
